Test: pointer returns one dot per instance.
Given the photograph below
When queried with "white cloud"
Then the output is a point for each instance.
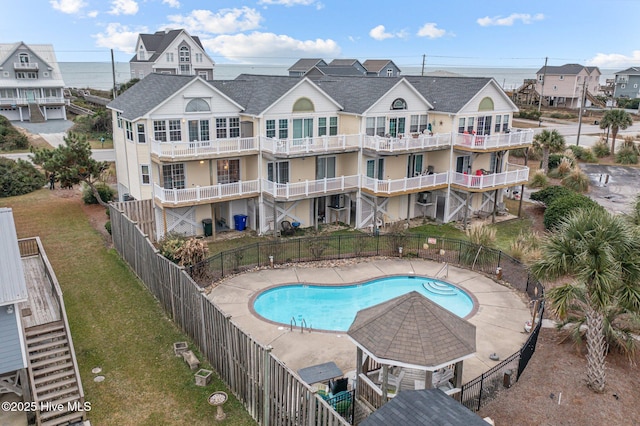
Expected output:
(260, 47)
(615, 60)
(68, 6)
(431, 30)
(222, 22)
(124, 7)
(172, 3)
(288, 3)
(380, 33)
(119, 37)
(509, 20)
(92, 14)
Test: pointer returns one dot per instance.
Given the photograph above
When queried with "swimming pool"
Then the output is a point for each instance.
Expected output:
(333, 308)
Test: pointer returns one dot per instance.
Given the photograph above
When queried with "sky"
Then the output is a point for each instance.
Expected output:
(454, 33)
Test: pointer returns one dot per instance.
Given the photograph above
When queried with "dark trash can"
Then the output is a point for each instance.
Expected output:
(207, 224)
(240, 222)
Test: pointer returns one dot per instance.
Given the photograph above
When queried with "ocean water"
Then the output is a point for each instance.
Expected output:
(99, 75)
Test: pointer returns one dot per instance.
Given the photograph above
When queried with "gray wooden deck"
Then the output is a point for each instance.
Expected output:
(41, 306)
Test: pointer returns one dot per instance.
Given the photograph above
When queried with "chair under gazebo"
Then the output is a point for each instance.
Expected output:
(415, 335)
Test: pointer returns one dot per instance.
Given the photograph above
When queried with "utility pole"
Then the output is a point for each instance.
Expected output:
(582, 101)
(113, 73)
(424, 58)
(544, 77)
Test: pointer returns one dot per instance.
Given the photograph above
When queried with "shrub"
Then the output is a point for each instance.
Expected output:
(627, 156)
(555, 159)
(194, 251)
(551, 193)
(107, 226)
(19, 177)
(561, 207)
(539, 180)
(525, 247)
(577, 181)
(480, 236)
(583, 154)
(562, 116)
(565, 166)
(170, 245)
(106, 193)
(10, 137)
(601, 149)
(529, 114)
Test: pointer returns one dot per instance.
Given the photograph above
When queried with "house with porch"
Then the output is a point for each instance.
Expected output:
(562, 86)
(627, 83)
(363, 151)
(171, 52)
(31, 84)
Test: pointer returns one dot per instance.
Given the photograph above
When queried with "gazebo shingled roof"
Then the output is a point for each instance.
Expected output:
(414, 331)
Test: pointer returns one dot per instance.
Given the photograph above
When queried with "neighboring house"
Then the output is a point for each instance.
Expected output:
(363, 151)
(315, 68)
(381, 68)
(170, 52)
(563, 85)
(31, 85)
(627, 83)
(37, 359)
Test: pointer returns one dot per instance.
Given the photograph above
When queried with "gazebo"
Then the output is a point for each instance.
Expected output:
(413, 335)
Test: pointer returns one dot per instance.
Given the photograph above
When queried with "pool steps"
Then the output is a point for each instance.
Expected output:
(440, 289)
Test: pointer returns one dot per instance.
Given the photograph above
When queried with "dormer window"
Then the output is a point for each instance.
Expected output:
(141, 56)
(185, 56)
(23, 58)
(562, 77)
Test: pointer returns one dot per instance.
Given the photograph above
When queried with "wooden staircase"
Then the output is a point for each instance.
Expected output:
(55, 382)
(35, 114)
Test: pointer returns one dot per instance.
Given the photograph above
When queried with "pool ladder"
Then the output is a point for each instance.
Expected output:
(303, 325)
(445, 269)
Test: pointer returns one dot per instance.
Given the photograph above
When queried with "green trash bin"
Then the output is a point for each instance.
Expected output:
(207, 224)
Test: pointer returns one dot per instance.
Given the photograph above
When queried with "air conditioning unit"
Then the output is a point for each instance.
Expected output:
(337, 201)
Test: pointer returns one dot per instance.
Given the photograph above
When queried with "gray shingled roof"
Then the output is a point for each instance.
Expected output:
(158, 43)
(356, 94)
(630, 71)
(412, 329)
(305, 64)
(566, 69)
(148, 93)
(375, 65)
(337, 70)
(423, 407)
(343, 62)
(256, 92)
(448, 94)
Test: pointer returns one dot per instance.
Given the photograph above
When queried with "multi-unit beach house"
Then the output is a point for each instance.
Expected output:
(31, 85)
(627, 83)
(364, 151)
(170, 52)
(567, 85)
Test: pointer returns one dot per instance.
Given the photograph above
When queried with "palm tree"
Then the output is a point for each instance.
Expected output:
(616, 119)
(548, 141)
(601, 253)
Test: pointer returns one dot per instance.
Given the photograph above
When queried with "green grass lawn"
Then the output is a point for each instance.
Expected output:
(116, 324)
(96, 144)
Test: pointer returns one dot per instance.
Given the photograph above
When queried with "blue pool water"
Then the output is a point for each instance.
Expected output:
(335, 307)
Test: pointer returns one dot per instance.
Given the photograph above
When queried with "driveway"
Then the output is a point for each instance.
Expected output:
(613, 187)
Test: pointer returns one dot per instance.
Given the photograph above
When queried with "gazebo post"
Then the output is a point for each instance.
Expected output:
(358, 366)
(385, 380)
(428, 379)
(457, 375)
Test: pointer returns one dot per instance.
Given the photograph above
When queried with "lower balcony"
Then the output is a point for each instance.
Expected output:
(310, 188)
(482, 181)
(206, 194)
(409, 143)
(392, 187)
(203, 149)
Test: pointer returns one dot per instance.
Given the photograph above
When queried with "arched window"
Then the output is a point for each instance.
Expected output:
(197, 105)
(23, 58)
(184, 54)
(399, 104)
(303, 105)
(486, 104)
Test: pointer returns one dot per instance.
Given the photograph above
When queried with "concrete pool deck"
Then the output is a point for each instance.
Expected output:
(500, 317)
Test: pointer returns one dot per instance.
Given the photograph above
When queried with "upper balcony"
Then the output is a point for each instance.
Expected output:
(23, 66)
(205, 194)
(311, 145)
(412, 143)
(391, 187)
(310, 188)
(483, 181)
(516, 138)
(195, 150)
(51, 100)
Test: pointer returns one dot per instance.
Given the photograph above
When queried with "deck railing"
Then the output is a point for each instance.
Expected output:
(310, 145)
(514, 175)
(196, 194)
(310, 187)
(394, 186)
(407, 143)
(515, 137)
(203, 148)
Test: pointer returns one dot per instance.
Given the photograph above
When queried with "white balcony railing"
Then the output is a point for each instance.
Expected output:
(40, 101)
(25, 66)
(407, 143)
(203, 148)
(310, 187)
(514, 175)
(515, 137)
(206, 193)
(318, 144)
(393, 186)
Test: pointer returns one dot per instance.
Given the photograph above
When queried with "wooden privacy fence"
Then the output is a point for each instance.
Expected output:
(268, 389)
